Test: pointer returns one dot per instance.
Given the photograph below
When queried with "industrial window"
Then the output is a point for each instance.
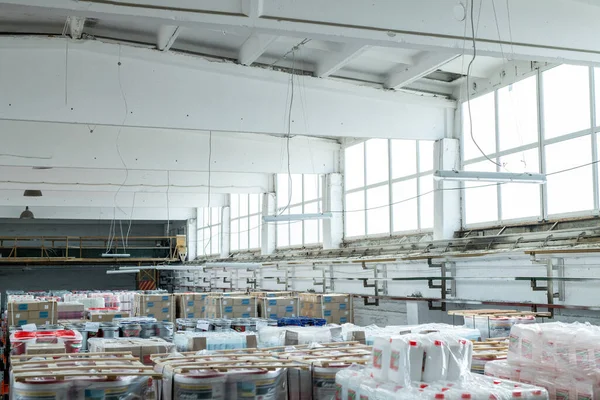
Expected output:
(544, 123)
(246, 221)
(299, 194)
(389, 187)
(209, 235)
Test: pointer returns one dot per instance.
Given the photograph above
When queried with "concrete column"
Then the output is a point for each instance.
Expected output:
(225, 230)
(192, 238)
(333, 229)
(268, 231)
(446, 198)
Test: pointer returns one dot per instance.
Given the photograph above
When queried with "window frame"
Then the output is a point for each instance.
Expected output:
(303, 203)
(389, 182)
(540, 146)
(210, 226)
(247, 215)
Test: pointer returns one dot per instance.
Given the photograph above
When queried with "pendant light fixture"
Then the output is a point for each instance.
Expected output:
(27, 214)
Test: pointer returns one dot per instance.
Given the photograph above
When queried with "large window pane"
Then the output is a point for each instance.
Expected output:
(283, 234)
(426, 201)
(354, 166)
(404, 198)
(404, 158)
(483, 114)
(597, 93)
(311, 228)
(311, 187)
(378, 213)
(425, 155)
(520, 200)
(377, 161)
(254, 232)
(355, 214)
(517, 114)
(243, 204)
(254, 203)
(566, 100)
(296, 228)
(234, 206)
(244, 233)
(481, 198)
(234, 237)
(283, 191)
(214, 240)
(572, 190)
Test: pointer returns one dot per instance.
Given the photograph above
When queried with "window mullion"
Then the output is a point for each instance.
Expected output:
(366, 206)
(541, 143)
(389, 181)
(594, 139)
(418, 159)
(498, 165)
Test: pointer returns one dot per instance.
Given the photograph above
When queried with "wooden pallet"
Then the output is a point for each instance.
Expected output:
(109, 365)
(498, 313)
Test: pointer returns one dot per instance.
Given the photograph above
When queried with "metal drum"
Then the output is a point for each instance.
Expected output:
(149, 329)
(109, 330)
(131, 329)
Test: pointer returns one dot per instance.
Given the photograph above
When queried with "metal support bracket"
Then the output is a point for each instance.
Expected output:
(371, 303)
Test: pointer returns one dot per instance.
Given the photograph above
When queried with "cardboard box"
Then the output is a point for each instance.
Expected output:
(232, 307)
(45, 348)
(70, 310)
(324, 298)
(159, 306)
(278, 307)
(106, 316)
(190, 305)
(261, 295)
(32, 312)
(142, 348)
(199, 343)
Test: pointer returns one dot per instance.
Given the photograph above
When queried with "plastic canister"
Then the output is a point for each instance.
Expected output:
(200, 385)
(381, 356)
(406, 360)
(131, 329)
(109, 330)
(342, 380)
(436, 359)
(459, 357)
(40, 389)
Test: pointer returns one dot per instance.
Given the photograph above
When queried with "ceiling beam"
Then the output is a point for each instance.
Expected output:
(100, 213)
(254, 47)
(425, 64)
(167, 34)
(193, 94)
(75, 26)
(334, 61)
(566, 35)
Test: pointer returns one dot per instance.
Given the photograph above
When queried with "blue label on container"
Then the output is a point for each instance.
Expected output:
(246, 315)
(229, 309)
(289, 309)
(165, 298)
(23, 307)
(343, 320)
(150, 304)
(165, 310)
(245, 302)
(327, 313)
(272, 302)
(190, 315)
(118, 316)
(191, 303)
(326, 299)
(342, 306)
(270, 294)
(43, 314)
(273, 316)
(20, 323)
(151, 315)
(203, 309)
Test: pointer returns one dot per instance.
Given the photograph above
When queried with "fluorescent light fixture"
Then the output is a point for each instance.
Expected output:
(115, 255)
(296, 217)
(233, 265)
(32, 193)
(122, 271)
(524, 177)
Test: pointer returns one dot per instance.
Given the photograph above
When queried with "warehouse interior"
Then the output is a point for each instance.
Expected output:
(428, 161)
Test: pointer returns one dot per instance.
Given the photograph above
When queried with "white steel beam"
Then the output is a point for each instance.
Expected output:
(99, 213)
(167, 34)
(337, 60)
(149, 153)
(193, 93)
(254, 47)
(425, 64)
(565, 30)
(75, 26)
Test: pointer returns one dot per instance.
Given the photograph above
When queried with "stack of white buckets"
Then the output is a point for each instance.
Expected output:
(425, 366)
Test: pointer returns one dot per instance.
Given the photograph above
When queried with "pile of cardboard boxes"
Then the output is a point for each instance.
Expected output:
(159, 306)
(333, 308)
(231, 307)
(26, 312)
(191, 305)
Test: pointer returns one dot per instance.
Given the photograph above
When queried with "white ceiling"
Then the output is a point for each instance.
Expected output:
(382, 68)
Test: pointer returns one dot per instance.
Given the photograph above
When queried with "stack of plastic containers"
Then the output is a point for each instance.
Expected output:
(426, 366)
(71, 340)
(496, 326)
(563, 358)
(215, 340)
